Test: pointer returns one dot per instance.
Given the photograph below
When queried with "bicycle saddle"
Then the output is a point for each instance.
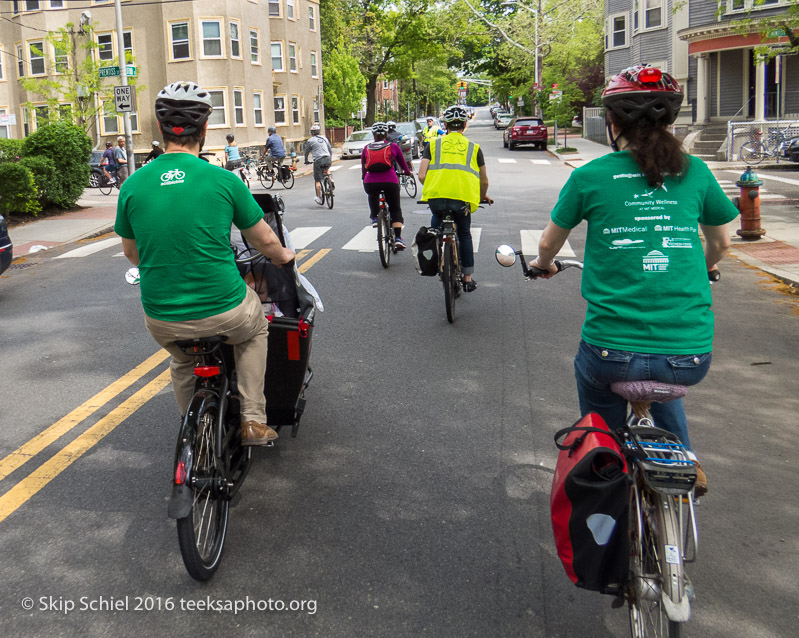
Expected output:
(648, 391)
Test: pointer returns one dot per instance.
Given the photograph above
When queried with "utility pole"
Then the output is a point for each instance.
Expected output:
(123, 74)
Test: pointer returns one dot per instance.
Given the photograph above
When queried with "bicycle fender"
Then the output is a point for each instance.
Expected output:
(676, 612)
(179, 502)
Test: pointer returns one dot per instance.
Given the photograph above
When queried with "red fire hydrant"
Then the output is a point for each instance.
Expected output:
(749, 205)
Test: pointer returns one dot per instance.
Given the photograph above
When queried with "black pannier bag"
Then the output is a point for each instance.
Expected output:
(590, 506)
(285, 173)
(425, 252)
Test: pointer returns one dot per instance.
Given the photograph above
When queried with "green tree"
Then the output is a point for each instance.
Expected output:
(17, 190)
(345, 86)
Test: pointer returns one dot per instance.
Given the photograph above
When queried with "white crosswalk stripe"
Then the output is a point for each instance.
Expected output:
(476, 234)
(90, 249)
(541, 161)
(333, 169)
(304, 236)
(365, 241)
(530, 239)
(355, 167)
(506, 160)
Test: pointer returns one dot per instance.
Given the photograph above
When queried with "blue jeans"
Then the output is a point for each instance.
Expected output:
(463, 220)
(595, 368)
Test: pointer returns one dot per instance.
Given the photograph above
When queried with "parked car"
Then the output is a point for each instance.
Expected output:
(412, 138)
(353, 145)
(502, 120)
(97, 172)
(6, 247)
(525, 130)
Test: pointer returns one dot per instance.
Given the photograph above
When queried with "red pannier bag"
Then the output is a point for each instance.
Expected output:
(590, 506)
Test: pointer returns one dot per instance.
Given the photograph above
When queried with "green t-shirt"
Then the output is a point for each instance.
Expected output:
(645, 278)
(179, 209)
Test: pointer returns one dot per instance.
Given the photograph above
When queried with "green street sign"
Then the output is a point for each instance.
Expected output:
(113, 71)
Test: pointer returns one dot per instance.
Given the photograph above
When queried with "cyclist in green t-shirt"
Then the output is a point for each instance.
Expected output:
(174, 217)
(645, 278)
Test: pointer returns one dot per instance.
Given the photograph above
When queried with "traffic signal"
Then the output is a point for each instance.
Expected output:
(462, 85)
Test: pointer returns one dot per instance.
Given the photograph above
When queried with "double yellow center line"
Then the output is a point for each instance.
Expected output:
(20, 493)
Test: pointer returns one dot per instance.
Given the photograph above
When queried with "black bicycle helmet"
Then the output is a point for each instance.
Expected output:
(182, 108)
(229, 137)
(642, 91)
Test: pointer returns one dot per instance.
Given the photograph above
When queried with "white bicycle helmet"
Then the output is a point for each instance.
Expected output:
(392, 125)
(315, 129)
(182, 108)
(380, 128)
(455, 113)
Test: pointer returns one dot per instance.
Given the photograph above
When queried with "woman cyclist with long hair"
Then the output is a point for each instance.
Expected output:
(645, 279)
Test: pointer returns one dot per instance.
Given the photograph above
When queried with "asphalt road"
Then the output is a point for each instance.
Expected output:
(415, 500)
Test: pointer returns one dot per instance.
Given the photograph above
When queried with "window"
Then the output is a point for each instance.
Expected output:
(180, 40)
(316, 110)
(110, 119)
(290, 9)
(60, 60)
(127, 43)
(31, 5)
(65, 112)
(212, 38)
(238, 106)
(255, 51)
(636, 12)
(313, 65)
(274, 8)
(36, 50)
(219, 112)
(20, 62)
(616, 31)
(235, 40)
(295, 109)
(653, 14)
(56, 4)
(5, 129)
(385, 84)
(292, 57)
(26, 129)
(258, 108)
(311, 18)
(277, 56)
(2, 74)
(280, 110)
(105, 47)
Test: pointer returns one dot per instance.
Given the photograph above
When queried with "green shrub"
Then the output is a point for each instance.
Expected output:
(45, 177)
(17, 190)
(10, 150)
(69, 148)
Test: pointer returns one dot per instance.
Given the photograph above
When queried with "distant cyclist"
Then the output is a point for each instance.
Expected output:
(232, 157)
(454, 175)
(155, 152)
(645, 277)
(274, 149)
(108, 163)
(174, 218)
(378, 174)
(393, 135)
(318, 146)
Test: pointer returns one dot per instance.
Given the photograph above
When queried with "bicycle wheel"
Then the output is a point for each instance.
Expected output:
(289, 181)
(752, 153)
(105, 187)
(201, 534)
(267, 178)
(450, 281)
(328, 188)
(410, 186)
(384, 237)
(656, 570)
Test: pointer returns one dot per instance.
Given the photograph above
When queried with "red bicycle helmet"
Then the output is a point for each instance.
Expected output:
(643, 91)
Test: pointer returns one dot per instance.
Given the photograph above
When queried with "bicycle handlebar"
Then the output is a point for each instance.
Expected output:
(506, 256)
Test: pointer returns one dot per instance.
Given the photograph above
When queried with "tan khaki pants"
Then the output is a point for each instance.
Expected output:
(246, 329)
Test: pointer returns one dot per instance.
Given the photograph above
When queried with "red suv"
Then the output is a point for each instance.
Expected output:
(526, 130)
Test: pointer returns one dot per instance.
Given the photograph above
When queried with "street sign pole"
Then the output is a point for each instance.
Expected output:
(123, 66)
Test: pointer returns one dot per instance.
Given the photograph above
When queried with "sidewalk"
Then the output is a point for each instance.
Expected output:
(777, 253)
(95, 217)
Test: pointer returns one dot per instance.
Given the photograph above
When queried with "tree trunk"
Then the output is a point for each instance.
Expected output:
(371, 97)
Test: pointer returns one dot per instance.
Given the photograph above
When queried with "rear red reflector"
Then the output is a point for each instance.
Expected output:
(293, 345)
(206, 371)
(650, 75)
(180, 473)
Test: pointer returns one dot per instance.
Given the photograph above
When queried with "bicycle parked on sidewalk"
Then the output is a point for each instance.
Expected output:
(661, 518)
(755, 151)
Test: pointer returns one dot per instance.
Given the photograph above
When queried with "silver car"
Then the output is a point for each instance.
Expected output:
(355, 143)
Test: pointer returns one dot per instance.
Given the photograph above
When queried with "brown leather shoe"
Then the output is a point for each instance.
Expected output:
(254, 433)
(700, 487)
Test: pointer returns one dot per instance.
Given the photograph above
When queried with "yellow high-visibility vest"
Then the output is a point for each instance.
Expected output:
(429, 133)
(453, 172)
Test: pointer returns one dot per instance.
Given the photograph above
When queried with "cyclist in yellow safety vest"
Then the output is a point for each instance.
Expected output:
(430, 132)
(454, 175)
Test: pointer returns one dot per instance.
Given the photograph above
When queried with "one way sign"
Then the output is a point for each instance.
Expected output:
(124, 98)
